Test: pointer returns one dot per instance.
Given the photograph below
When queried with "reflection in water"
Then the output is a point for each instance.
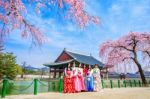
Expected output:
(27, 87)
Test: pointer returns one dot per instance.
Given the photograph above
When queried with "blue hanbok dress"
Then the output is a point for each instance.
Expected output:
(89, 81)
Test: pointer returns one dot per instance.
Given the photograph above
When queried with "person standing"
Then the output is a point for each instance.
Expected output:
(68, 80)
(97, 78)
(89, 80)
(81, 84)
(75, 78)
(85, 70)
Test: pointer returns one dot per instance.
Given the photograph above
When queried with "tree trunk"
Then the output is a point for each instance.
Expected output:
(22, 75)
(142, 76)
(141, 72)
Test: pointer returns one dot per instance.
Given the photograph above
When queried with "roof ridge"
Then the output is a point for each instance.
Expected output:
(77, 53)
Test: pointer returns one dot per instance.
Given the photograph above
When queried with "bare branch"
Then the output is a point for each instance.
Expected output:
(125, 48)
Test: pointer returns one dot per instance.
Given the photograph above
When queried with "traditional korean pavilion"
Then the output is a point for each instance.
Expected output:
(66, 57)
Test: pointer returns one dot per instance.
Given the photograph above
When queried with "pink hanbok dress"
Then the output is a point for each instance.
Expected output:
(81, 83)
(76, 79)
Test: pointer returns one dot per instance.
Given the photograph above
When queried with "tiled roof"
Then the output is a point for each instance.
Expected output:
(86, 59)
(58, 63)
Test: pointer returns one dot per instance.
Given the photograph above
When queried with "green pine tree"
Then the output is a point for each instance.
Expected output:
(8, 66)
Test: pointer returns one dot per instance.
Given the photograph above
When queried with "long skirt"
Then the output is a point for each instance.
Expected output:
(89, 84)
(68, 85)
(76, 84)
(97, 84)
(81, 83)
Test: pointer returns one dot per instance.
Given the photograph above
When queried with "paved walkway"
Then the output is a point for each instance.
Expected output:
(116, 93)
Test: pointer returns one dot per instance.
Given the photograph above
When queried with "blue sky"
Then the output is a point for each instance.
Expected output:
(118, 17)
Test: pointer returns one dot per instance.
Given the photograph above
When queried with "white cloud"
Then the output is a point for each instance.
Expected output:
(116, 9)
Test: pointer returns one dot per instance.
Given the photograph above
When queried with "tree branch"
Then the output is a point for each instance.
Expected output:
(125, 48)
(127, 58)
(147, 53)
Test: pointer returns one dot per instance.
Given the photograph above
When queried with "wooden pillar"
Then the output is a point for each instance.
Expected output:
(59, 72)
(107, 73)
(101, 74)
(54, 73)
(49, 72)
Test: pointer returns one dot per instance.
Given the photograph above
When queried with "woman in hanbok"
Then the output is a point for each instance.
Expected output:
(81, 84)
(68, 80)
(75, 78)
(85, 70)
(97, 78)
(89, 80)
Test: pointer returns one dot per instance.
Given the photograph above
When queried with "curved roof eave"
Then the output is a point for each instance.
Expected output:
(58, 63)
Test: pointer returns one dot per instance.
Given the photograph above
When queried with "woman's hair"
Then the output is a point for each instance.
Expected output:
(84, 66)
(80, 65)
(89, 67)
(96, 65)
(69, 67)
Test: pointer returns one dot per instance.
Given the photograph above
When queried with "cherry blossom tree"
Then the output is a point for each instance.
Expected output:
(125, 50)
(12, 16)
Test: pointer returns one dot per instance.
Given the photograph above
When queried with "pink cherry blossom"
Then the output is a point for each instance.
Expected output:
(125, 50)
(13, 16)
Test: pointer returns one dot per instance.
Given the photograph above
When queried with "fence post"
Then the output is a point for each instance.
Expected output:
(60, 85)
(111, 84)
(35, 86)
(130, 83)
(139, 83)
(56, 85)
(49, 86)
(124, 82)
(53, 86)
(4, 88)
(134, 82)
(118, 83)
(102, 83)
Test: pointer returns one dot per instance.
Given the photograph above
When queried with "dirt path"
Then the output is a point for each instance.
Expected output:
(122, 93)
